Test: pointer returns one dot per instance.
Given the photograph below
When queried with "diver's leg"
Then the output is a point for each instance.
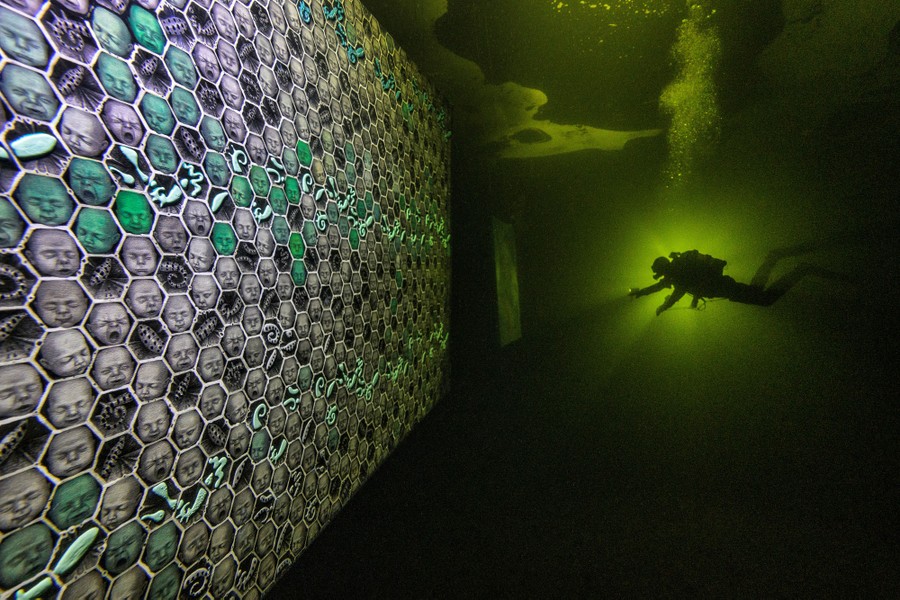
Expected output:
(755, 294)
(761, 277)
(765, 269)
(835, 240)
(786, 282)
(749, 294)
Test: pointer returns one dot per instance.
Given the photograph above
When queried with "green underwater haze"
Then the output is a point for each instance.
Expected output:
(745, 127)
(751, 126)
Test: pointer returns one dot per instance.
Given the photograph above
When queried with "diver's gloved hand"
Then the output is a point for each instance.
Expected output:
(634, 292)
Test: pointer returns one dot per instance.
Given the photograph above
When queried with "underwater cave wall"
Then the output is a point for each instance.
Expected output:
(224, 285)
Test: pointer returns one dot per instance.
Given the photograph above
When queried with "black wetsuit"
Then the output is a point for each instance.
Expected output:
(723, 286)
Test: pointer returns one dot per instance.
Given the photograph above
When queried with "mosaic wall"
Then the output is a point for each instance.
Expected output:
(224, 279)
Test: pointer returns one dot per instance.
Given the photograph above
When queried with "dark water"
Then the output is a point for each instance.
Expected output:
(739, 450)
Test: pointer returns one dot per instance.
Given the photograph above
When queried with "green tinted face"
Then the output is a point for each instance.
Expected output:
(309, 233)
(123, 548)
(292, 190)
(296, 245)
(181, 66)
(259, 445)
(224, 239)
(133, 212)
(24, 554)
(161, 546)
(74, 501)
(280, 230)
(212, 133)
(96, 231)
(278, 201)
(241, 192)
(259, 180)
(165, 584)
(44, 199)
(116, 78)
(146, 29)
(161, 154)
(184, 105)
(216, 168)
(304, 378)
(157, 114)
(90, 181)
(304, 154)
(298, 272)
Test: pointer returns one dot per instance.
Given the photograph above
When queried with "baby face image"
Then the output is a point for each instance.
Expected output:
(65, 353)
(69, 402)
(156, 462)
(22, 497)
(178, 313)
(151, 380)
(20, 390)
(53, 253)
(114, 367)
(70, 452)
(60, 303)
(120, 501)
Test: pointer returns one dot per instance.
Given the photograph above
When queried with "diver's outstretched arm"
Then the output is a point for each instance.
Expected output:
(671, 299)
(656, 287)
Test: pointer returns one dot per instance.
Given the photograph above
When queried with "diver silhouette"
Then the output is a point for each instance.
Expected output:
(700, 275)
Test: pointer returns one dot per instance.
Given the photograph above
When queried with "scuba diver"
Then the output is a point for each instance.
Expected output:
(701, 276)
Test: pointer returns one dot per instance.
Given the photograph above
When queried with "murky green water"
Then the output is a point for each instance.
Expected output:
(752, 125)
(779, 125)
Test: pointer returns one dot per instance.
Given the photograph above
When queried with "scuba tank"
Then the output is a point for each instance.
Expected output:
(698, 273)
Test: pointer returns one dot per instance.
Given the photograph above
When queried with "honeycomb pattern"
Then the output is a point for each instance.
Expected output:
(224, 279)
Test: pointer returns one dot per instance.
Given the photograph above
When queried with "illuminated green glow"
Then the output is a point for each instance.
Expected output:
(720, 233)
(625, 328)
